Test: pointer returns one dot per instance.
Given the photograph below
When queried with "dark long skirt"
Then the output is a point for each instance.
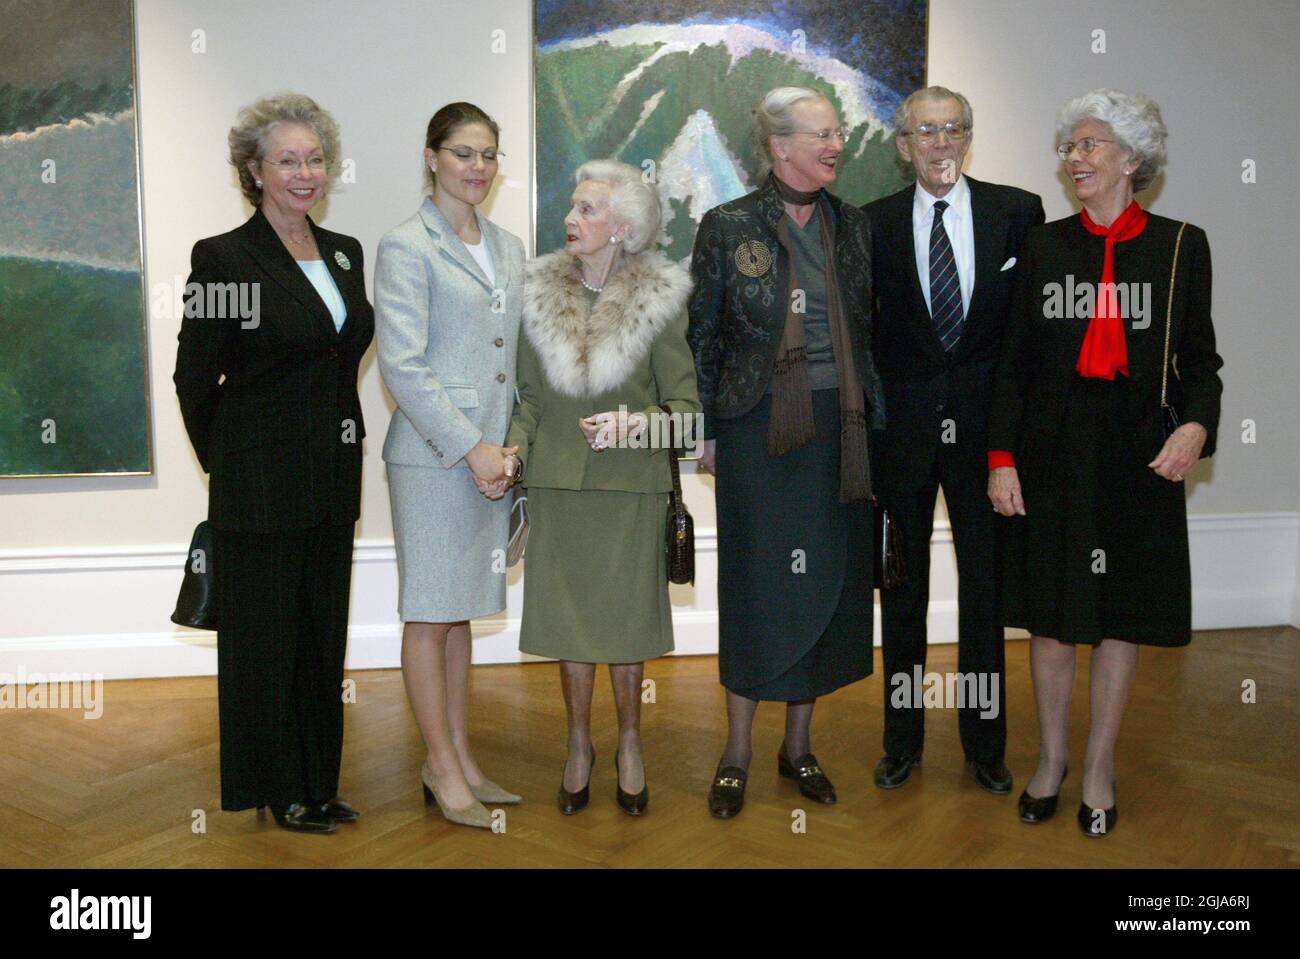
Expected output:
(282, 606)
(1102, 550)
(795, 600)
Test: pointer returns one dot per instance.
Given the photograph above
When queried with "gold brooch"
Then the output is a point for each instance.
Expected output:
(753, 258)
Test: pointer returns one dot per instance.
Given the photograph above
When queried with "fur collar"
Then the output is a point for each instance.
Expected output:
(584, 351)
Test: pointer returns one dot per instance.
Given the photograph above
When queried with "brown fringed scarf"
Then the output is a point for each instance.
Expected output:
(792, 417)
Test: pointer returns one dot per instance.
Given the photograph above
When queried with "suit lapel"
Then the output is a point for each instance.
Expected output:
(449, 244)
(345, 279)
(990, 229)
(492, 236)
(270, 254)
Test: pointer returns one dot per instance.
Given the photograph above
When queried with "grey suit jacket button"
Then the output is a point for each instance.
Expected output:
(499, 341)
(501, 377)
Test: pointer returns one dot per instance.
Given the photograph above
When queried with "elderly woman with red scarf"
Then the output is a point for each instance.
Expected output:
(1106, 397)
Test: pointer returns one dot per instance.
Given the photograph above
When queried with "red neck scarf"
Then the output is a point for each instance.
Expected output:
(1104, 350)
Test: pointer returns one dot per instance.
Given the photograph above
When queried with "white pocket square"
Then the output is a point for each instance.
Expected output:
(1008, 265)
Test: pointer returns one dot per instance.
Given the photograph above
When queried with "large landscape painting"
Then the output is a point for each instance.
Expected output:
(675, 81)
(73, 389)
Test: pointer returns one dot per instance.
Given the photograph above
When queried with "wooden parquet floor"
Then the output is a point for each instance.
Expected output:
(1203, 779)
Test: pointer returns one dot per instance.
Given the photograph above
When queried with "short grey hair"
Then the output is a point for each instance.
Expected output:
(248, 137)
(1135, 121)
(903, 115)
(631, 200)
(774, 117)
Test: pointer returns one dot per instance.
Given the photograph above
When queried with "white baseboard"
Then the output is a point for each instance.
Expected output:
(105, 611)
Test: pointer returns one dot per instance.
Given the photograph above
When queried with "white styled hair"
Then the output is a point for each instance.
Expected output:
(631, 200)
(774, 117)
(1135, 121)
(903, 115)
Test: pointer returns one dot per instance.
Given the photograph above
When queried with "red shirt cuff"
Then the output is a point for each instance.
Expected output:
(1000, 458)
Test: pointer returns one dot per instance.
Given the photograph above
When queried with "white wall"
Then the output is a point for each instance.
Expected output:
(90, 564)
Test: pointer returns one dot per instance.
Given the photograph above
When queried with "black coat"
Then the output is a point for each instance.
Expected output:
(281, 435)
(1040, 352)
(924, 385)
(738, 307)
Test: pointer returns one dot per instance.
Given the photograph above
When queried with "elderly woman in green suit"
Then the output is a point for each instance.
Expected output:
(603, 367)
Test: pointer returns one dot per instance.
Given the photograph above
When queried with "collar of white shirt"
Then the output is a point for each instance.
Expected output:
(958, 202)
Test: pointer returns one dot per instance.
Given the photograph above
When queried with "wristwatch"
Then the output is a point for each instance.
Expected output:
(518, 472)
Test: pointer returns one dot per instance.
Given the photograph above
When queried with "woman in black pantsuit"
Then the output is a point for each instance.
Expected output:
(275, 326)
(1095, 549)
(778, 326)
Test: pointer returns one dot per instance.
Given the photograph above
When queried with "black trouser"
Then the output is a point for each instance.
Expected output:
(979, 633)
(282, 605)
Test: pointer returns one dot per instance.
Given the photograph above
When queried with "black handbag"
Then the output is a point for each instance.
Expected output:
(196, 604)
(1169, 415)
(889, 570)
(680, 536)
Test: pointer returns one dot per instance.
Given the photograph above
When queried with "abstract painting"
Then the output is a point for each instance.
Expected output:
(73, 381)
(669, 86)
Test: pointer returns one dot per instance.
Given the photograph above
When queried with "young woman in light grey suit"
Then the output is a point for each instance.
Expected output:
(448, 296)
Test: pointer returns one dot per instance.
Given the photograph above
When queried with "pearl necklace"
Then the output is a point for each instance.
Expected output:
(594, 289)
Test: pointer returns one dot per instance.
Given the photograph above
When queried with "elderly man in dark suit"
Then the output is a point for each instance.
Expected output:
(944, 256)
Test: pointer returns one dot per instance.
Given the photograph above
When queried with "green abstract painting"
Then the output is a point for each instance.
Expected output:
(669, 86)
(73, 379)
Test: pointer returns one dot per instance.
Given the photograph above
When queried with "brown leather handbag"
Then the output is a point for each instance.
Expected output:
(680, 535)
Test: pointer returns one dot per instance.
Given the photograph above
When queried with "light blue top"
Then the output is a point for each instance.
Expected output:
(319, 274)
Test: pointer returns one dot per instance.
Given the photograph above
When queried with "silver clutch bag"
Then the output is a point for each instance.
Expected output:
(518, 528)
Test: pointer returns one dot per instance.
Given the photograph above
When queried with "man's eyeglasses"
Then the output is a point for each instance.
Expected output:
(468, 153)
(1086, 146)
(290, 165)
(927, 132)
(823, 135)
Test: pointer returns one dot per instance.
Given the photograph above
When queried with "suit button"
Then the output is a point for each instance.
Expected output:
(499, 341)
(333, 353)
(939, 408)
(501, 377)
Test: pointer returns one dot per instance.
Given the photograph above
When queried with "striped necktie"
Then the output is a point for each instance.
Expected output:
(945, 285)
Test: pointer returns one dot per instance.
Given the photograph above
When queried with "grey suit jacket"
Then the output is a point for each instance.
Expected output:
(446, 338)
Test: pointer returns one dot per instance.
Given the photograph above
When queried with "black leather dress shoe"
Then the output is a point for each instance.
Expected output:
(302, 817)
(576, 802)
(337, 810)
(1096, 823)
(805, 771)
(633, 805)
(727, 794)
(993, 776)
(892, 771)
(1040, 808)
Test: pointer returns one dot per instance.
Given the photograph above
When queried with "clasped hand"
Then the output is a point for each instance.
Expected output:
(602, 430)
(492, 468)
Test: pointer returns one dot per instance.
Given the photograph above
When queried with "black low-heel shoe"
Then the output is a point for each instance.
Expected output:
(727, 794)
(576, 802)
(301, 817)
(1040, 808)
(630, 804)
(993, 776)
(338, 810)
(1096, 826)
(892, 771)
(805, 771)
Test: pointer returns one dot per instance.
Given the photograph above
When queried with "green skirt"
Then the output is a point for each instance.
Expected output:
(596, 577)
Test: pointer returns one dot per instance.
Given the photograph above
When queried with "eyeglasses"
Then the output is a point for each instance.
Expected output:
(928, 132)
(290, 165)
(824, 135)
(1086, 146)
(468, 153)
